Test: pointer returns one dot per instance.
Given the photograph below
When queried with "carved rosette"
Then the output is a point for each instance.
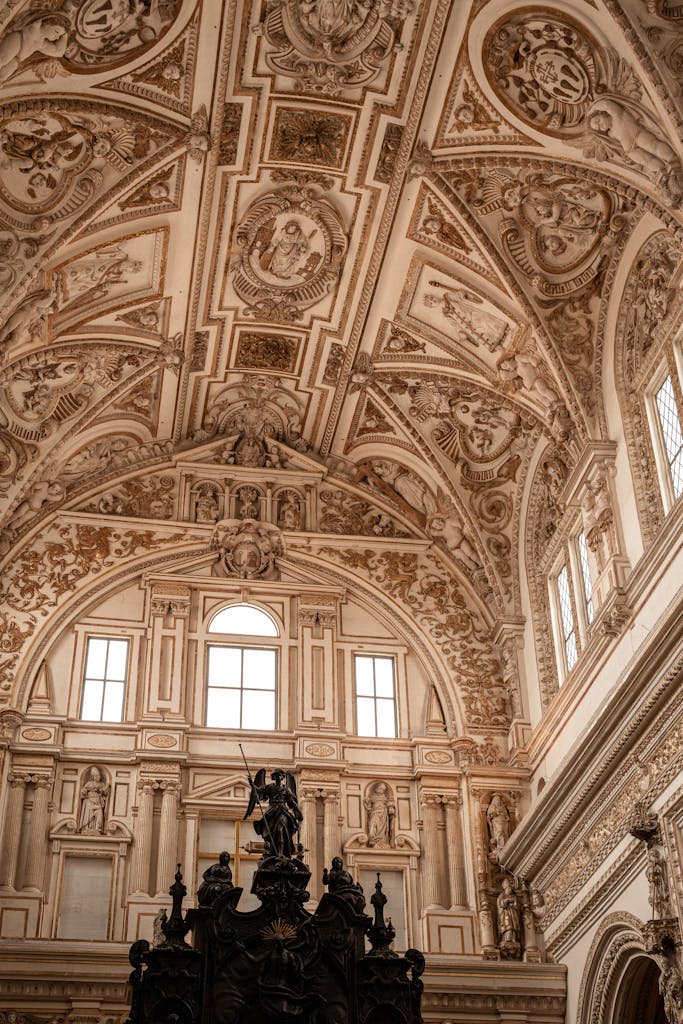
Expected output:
(292, 244)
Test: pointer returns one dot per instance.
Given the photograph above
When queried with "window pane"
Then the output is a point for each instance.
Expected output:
(364, 676)
(116, 660)
(365, 708)
(384, 677)
(223, 708)
(671, 431)
(216, 835)
(225, 666)
(567, 616)
(96, 659)
(259, 669)
(113, 702)
(258, 709)
(243, 619)
(393, 889)
(92, 700)
(386, 719)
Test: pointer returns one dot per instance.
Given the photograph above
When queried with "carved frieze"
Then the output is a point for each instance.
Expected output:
(42, 577)
(266, 352)
(291, 244)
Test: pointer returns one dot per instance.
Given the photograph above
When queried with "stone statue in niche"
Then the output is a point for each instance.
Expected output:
(247, 498)
(381, 811)
(656, 874)
(207, 508)
(498, 821)
(509, 920)
(94, 793)
(246, 549)
(290, 511)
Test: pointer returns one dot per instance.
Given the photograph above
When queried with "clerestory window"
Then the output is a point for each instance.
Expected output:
(104, 679)
(241, 678)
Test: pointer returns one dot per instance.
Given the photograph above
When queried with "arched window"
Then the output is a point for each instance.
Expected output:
(241, 679)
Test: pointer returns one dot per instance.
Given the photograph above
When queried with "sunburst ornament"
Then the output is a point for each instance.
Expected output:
(278, 929)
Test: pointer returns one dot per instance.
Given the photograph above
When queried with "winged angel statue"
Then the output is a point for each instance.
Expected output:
(282, 818)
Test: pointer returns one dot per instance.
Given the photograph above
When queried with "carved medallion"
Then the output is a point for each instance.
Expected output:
(160, 740)
(552, 74)
(87, 37)
(330, 45)
(320, 749)
(438, 757)
(292, 243)
(246, 549)
(36, 735)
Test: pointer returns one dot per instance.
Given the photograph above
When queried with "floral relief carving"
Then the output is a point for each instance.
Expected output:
(433, 596)
(341, 512)
(309, 137)
(291, 244)
(150, 496)
(252, 414)
(267, 352)
(41, 578)
(331, 46)
(550, 72)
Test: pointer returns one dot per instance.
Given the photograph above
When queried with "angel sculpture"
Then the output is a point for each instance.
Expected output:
(282, 819)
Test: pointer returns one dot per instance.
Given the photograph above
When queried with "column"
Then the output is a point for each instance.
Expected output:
(168, 837)
(12, 834)
(456, 858)
(429, 862)
(332, 846)
(34, 870)
(139, 874)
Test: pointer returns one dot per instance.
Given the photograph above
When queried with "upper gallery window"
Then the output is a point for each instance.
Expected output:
(241, 680)
(375, 695)
(668, 439)
(572, 601)
(104, 682)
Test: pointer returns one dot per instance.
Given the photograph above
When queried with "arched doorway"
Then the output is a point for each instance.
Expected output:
(638, 999)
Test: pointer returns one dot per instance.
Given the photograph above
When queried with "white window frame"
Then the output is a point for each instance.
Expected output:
(85, 679)
(241, 688)
(657, 433)
(242, 642)
(375, 655)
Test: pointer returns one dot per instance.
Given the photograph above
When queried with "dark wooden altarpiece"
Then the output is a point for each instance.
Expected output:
(278, 964)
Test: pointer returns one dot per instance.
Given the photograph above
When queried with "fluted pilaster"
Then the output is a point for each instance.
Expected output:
(456, 857)
(139, 875)
(34, 871)
(431, 837)
(332, 843)
(12, 831)
(168, 837)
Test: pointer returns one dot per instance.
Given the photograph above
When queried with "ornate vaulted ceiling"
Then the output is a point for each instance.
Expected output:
(388, 237)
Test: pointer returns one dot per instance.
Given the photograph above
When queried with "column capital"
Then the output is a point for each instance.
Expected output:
(16, 780)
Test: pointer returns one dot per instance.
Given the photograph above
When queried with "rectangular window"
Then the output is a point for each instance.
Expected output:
(375, 695)
(104, 683)
(244, 847)
(585, 577)
(86, 890)
(393, 889)
(567, 618)
(241, 687)
(669, 421)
